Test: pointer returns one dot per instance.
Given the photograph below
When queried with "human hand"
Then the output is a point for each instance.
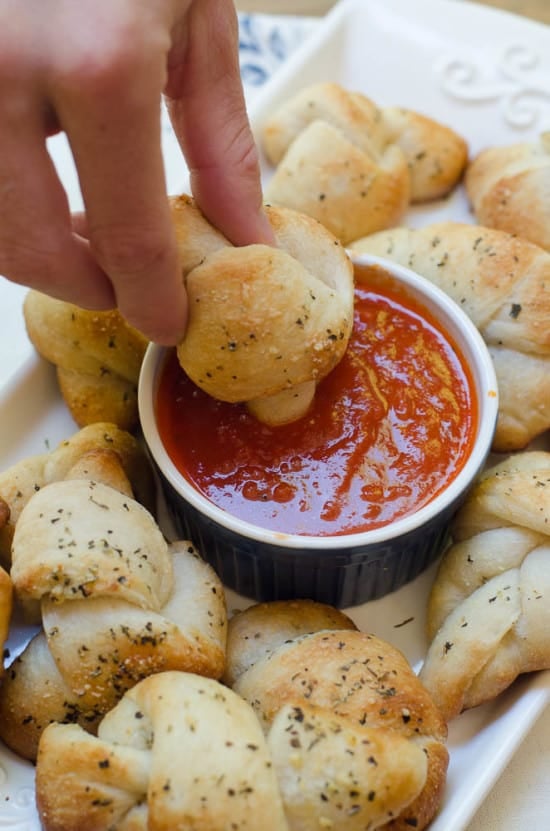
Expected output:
(96, 70)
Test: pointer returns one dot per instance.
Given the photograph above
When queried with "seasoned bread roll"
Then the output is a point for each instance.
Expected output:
(181, 751)
(65, 519)
(489, 612)
(178, 751)
(334, 773)
(97, 356)
(354, 166)
(116, 604)
(264, 626)
(436, 154)
(503, 284)
(101, 451)
(265, 324)
(352, 676)
(509, 189)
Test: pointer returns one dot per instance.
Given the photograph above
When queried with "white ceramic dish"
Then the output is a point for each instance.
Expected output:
(481, 742)
(435, 56)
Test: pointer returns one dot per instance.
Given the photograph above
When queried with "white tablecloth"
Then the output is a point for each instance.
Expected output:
(521, 798)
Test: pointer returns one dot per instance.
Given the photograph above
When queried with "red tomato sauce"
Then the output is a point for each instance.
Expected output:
(390, 426)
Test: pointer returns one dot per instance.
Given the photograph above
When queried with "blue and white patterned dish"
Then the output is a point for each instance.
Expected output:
(265, 42)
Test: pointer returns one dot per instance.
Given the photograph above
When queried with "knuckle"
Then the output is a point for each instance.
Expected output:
(249, 158)
(93, 74)
(128, 53)
(231, 128)
(242, 149)
(128, 251)
(24, 256)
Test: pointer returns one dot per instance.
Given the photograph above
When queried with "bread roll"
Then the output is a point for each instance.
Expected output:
(330, 164)
(488, 612)
(100, 451)
(178, 751)
(97, 356)
(181, 751)
(258, 631)
(502, 283)
(333, 773)
(346, 189)
(348, 675)
(64, 520)
(116, 603)
(509, 188)
(265, 324)
(354, 166)
(436, 154)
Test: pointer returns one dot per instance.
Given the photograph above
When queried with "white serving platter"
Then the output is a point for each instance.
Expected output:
(485, 73)
(481, 742)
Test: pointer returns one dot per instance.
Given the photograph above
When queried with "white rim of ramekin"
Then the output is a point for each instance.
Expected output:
(474, 350)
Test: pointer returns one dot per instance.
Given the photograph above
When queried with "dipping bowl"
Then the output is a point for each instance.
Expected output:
(347, 569)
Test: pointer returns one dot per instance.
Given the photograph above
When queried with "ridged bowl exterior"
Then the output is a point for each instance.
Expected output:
(341, 577)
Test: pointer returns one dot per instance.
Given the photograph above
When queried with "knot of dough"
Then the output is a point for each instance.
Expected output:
(101, 451)
(97, 356)
(82, 539)
(489, 609)
(509, 188)
(116, 602)
(354, 166)
(502, 283)
(179, 750)
(298, 655)
(265, 324)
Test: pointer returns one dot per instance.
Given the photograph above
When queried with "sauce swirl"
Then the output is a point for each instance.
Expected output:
(389, 428)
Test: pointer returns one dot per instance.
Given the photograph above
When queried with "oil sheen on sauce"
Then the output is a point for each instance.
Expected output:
(390, 426)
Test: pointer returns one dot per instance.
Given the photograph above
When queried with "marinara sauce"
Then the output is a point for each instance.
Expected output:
(390, 426)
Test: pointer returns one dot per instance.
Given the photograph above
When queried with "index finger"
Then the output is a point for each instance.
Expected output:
(207, 108)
